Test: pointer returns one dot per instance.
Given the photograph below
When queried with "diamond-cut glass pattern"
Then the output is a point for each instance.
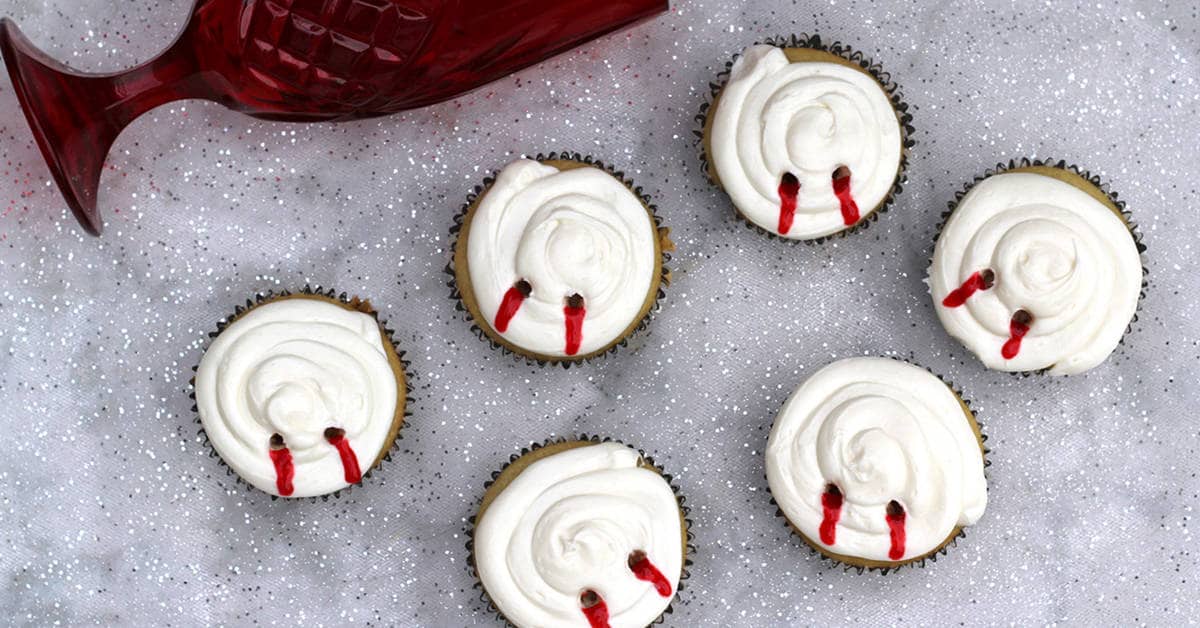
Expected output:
(334, 50)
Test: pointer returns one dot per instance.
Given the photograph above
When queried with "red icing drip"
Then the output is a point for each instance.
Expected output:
(508, 308)
(349, 460)
(841, 189)
(597, 614)
(831, 503)
(1016, 331)
(645, 570)
(789, 189)
(960, 295)
(895, 521)
(574, 327)
(284, 470)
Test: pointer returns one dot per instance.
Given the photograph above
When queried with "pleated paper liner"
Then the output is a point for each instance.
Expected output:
(480, 324)
(848, 563)
(854, 58)
(1072, 174)
(689, 548)
(404, 378)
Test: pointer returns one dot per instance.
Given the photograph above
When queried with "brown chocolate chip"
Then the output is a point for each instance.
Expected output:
(894, 509)
(832, 489)
(841, 173)
(589, 598)
(1022, 317)
(523, 287)
(988, 277)
(334, 433)
(575, 301)
(277, 441)
(635, 557)
(789, 180)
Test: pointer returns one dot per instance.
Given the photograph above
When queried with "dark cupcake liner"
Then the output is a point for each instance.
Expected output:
(679, 498)
(856, 57)
(917, 563)
(259, 299)
(566, 362)
(1094, 180)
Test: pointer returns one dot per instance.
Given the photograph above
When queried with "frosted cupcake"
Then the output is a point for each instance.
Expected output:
(876, 463)
(580, 533)
(558, 259)
(301, 394)
(807, 140)
(1037, 268)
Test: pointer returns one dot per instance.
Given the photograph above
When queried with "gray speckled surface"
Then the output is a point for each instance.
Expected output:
(112, 511)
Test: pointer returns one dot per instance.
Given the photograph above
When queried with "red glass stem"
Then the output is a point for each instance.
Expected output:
(76, 117)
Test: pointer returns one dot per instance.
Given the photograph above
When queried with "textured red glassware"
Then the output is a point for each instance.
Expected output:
(297, 60)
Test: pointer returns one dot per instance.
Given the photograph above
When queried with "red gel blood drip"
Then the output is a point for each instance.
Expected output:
(977, 281)
(337, 438)
(574, 313)
(510, 304)
(841, 189)
(895, 521)
(595, 609)
(831, 503)
(1017, 328)
(284, 470)
(643, 569)
(789, 189)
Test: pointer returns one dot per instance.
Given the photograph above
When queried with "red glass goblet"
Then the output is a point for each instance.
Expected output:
(298, 60)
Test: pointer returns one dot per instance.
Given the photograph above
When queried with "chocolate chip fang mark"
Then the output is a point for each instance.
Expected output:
(841, 189)
(337, 437)
(574, 312)
(1017, 328)
(789, 190)
(285, 470)
(831, 506)
(895, 521)
(981, 280)
(643, 569)
(511, 303)
(594, 609)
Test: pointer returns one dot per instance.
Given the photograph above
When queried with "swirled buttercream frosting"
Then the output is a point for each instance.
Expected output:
(582, 537)
(803, 149)
(876, 459)
(1030, 273)
(561, 261)
(295, 392)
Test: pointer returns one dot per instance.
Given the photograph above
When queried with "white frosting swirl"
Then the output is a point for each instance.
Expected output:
(568, 523)
(880, 430)
(577, 231)
(295, 367)
(1057, 253)
(774, 117)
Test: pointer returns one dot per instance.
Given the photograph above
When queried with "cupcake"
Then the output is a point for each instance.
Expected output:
(301, 394)
(808, 141)
(580, 533)
(876, 463)
(558, 259)
(1037, 268)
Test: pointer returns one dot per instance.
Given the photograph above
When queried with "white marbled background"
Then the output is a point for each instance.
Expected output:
(112, 511)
